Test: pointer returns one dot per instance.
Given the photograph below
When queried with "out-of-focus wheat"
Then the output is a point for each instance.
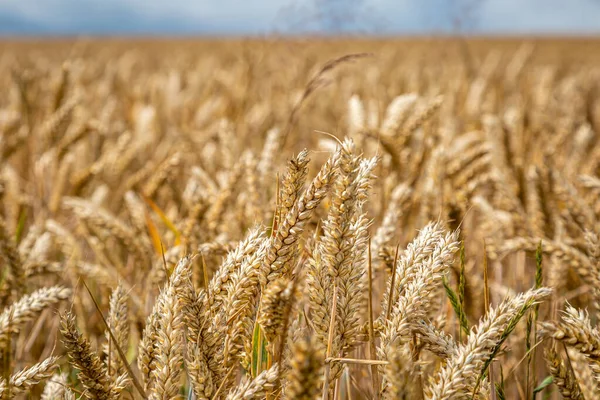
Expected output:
(224, 241)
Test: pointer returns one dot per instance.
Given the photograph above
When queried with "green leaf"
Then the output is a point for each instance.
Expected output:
(462, 278)
(538, 266)
(255, 350)
(512, 324)
(458, 309)
(259, 352)
(500, 392)
(545, 383)
(538, 274)
(21, 226)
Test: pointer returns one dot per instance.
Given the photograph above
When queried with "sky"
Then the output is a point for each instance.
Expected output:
(264, 17)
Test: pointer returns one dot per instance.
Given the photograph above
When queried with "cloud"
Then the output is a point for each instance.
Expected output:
(16, 24)
(237, 17)
(135, 16)
(540, 16)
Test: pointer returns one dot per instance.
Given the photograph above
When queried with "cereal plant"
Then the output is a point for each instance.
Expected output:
(300, 219)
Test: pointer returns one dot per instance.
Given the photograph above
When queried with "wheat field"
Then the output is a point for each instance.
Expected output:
(300, 219)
